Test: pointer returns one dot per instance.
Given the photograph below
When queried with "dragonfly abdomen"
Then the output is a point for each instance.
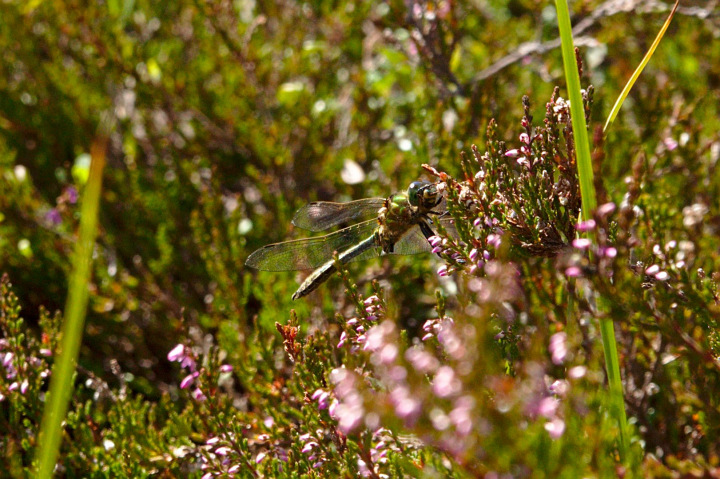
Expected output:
(320, 275)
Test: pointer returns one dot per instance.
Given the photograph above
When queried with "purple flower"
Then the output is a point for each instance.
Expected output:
(525, 138)
(53, 217)
(198, 395)
(512, 153)
(259, 458)
(435, 240)
(226, 368)
(442, 271)
(71, 194)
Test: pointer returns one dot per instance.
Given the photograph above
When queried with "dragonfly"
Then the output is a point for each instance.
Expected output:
(399, 224)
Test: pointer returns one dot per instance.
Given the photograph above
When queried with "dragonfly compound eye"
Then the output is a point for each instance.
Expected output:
(417, 192)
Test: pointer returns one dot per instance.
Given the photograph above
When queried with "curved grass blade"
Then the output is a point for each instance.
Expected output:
(636, 74)
(75, 310)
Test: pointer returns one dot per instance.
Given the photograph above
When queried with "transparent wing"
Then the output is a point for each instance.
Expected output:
(414, 241)
(321, 215)
(310, 253)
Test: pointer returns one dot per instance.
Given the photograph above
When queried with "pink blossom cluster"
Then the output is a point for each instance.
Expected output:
(15, 378)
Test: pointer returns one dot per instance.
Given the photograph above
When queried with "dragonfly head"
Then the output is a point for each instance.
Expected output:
(422, 194)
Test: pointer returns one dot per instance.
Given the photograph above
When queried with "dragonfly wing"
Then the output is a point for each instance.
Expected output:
(321, 215)
(449, 225)
(310, 253)
(412, 242)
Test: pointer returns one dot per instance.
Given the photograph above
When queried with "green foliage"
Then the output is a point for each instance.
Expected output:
(232, 115)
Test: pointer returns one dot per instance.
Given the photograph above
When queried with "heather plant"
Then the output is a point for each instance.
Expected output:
(482, 359)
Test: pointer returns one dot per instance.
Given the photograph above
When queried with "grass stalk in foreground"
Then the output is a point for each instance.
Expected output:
(63, 370)
(589, 203)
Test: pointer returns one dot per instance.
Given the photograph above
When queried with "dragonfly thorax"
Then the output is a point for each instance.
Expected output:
(404, 210)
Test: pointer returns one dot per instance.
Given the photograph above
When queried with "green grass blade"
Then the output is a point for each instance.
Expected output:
(589, 203)
(74, 318)
(621, 99)
(582, 143)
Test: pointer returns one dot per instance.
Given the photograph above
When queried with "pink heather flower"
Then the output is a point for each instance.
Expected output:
(198, 395)
(477, 222)
(436, 250)
(651, 270)
(407, 409)
(234, 469)
(585, 226)
(176, 353)
(573, 272)
(435, 240)
(72, 195)
(606, 209)
(332, 409)
(349, 417)
(581, 243)
(13, 386)
(188, 380)
(608, 252)
(46, 352)
(445, 384)
(7, 359)
(442, 271)
(559, 387)
(555, 427)
(259, 458)
(473, 254)
(421, 360)
(387, 354)
(514, 153)
(371, 300)
(222, 451)
(212, 440)
(308, 447)
(558, 347)
(269, 421)
(547, 407)
(525, 138)
(662, 276)
(24, 386)
(670, 143)
(577, 372)
(343, 338)
(226, 368)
